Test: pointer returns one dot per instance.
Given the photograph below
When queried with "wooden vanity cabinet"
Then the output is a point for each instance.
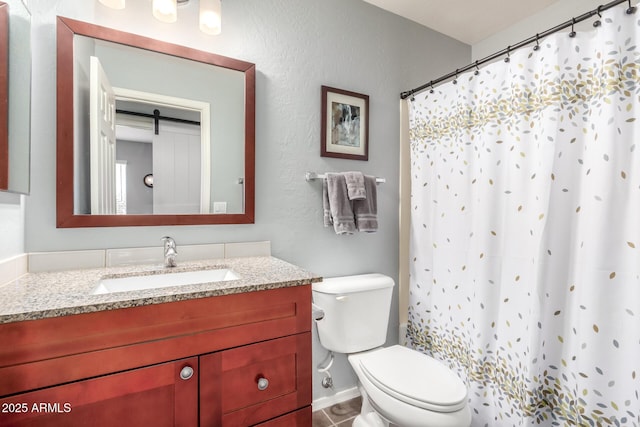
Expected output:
(233, 360)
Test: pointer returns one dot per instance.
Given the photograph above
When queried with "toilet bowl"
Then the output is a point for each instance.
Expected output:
(408, 389)
(398, 385)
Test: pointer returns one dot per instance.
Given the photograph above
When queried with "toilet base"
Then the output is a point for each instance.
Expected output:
(369, 420)
(368, 416)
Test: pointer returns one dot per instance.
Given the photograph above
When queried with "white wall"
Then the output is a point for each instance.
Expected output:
(297, 46)
(12, 206)
(557, 13)
(11, 225)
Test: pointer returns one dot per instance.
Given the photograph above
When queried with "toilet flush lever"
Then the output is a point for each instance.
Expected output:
(318, 313)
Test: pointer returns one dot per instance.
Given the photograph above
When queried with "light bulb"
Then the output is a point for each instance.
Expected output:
(113, 4)
(211, 16)
(165, 10)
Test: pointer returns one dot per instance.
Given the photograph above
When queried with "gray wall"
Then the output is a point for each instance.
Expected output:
(297, 46)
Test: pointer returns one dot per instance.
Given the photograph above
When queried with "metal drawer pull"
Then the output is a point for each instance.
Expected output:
(186, 372)
(263, 383)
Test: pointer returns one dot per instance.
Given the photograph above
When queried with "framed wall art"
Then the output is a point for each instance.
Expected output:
(345, 124)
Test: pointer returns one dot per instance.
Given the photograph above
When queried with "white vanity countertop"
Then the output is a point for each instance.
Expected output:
(42, 295)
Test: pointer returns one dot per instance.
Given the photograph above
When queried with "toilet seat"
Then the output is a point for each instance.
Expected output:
(414, 378)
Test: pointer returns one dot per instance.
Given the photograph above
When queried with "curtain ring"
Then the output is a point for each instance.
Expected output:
(431, 90)
(572, 34)
(537, 46)
(598, 21)
(508, 58)
(632, 9)
(477, 71)
(455, 81)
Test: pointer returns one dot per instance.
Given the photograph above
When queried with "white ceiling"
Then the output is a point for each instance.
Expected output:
(469, 21)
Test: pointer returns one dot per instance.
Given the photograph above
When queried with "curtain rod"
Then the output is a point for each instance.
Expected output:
(535, 39)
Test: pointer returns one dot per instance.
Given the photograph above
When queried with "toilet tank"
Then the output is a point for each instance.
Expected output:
(356, 311)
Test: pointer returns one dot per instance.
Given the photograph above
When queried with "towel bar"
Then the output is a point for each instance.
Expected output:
(312, 176)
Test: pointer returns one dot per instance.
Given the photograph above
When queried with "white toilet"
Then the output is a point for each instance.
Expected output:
(398, 385)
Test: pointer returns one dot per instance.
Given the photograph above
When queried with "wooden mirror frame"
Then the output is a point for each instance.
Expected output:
(4, 97)
(66, 218)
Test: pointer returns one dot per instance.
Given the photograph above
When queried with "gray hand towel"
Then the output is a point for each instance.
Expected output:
(339, 204)
(366, 211)
(326, 207)
(355, 185)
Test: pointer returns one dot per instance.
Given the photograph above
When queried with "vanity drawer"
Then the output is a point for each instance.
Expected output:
(256, 382)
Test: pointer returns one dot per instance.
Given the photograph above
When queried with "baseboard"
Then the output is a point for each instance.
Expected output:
(341, 396)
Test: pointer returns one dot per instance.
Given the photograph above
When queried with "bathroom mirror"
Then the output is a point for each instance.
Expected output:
(15, 96)
(134, 111)
(4, 96)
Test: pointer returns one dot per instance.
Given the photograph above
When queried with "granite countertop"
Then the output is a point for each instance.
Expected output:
(42, 295)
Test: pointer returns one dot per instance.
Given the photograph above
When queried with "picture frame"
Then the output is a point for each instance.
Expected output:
(345, 124)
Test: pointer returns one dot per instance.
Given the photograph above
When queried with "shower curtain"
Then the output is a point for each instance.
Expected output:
(525, 230)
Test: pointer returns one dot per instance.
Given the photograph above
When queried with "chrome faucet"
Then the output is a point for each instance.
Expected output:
(170, 252)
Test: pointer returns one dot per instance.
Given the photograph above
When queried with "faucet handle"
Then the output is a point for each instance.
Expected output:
(169, 242)
(170, 251)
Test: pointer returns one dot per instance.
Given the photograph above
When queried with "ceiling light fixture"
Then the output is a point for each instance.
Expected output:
(167, 11)
(211, 16)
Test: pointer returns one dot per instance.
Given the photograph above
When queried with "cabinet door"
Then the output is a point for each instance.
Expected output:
(159, 395)
(251, 384)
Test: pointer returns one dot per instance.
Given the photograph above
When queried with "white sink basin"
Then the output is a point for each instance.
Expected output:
(164, 280)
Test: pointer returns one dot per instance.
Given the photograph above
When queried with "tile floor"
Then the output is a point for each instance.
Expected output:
(339, 415)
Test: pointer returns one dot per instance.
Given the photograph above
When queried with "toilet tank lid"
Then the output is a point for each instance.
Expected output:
(348, 284)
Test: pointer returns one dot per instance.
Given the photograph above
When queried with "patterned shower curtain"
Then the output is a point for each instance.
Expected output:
(525, 230)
